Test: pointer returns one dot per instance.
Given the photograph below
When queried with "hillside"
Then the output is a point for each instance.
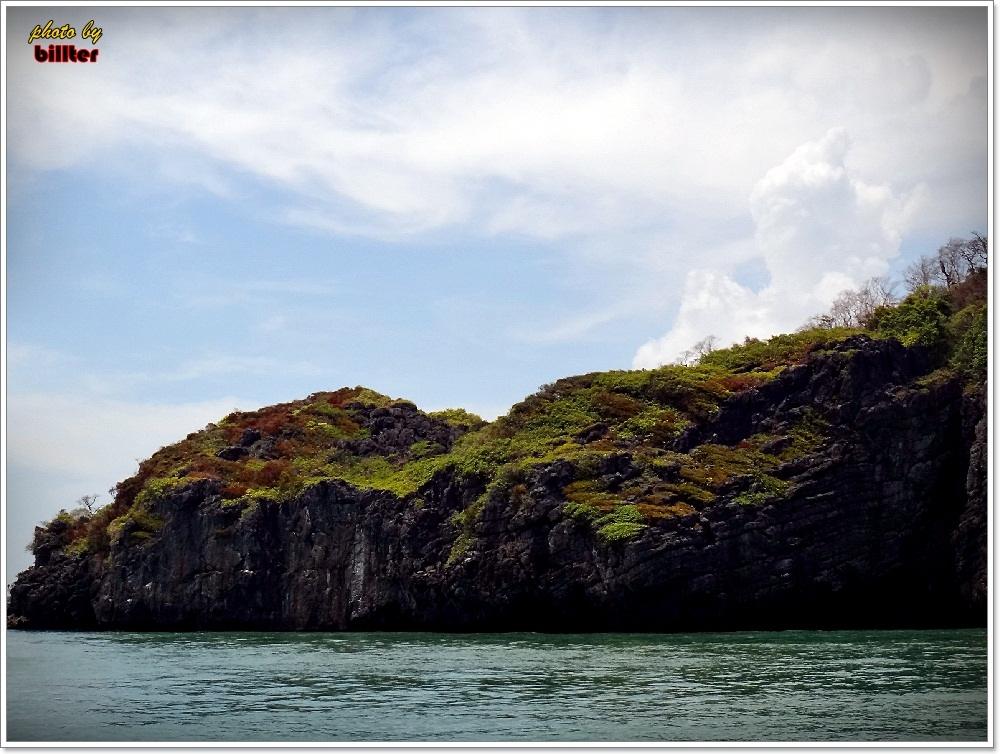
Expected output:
(834, 476)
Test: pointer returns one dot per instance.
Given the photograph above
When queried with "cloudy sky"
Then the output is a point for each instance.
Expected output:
(239, 206)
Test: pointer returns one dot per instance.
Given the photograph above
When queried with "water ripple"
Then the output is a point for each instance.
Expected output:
(788, 686)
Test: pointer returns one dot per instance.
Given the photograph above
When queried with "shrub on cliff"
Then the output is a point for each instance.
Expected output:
(459, 417)
(919, 319)
(969, 332)
(781, 350)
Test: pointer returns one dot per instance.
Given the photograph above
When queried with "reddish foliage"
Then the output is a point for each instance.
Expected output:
(273, 422)
(972, 290)
(202, 475)
(266, 476)
(268, 421)
(736, 383)
(234, 489)
(205, 466)
(342, 396)
(77, 529)
(616, 405)
(272, 472)
(286, 447)
(127, 490)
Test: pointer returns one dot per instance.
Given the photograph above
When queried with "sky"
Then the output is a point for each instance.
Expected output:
(235, 207)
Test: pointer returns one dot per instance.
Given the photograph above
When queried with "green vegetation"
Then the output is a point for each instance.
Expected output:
(587, 421)
(459, 418)
(80, 546)
(767, 356)
(930, 317)
(137, 523)
(624, 522)
(463, 543)
(465, 522)
(968, 330)
(595, 425)
(919, 319)
(763, 489)
(944, 312)
(673, 485)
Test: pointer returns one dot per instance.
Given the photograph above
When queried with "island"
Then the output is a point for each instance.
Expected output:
(831, 477)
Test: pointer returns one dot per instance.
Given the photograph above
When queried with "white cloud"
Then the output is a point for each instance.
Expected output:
(98, 439)
(814, 218)
(28, 366)
(637, 157)
(273, 324)
(214, 293)
(567, 330)
(819, 229)
(33, 356)
(524, 121)
(211, 366)
(109, 383)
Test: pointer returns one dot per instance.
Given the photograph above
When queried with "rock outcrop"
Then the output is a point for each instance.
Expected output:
(848, 489)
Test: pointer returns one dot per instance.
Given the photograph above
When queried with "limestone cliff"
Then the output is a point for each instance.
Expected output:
(839, 483)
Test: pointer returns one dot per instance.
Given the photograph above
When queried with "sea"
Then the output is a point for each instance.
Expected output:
(789, 686)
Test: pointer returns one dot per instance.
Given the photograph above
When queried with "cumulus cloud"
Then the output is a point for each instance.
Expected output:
(819, 230)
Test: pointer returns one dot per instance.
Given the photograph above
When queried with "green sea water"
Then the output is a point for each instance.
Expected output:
(287, 687)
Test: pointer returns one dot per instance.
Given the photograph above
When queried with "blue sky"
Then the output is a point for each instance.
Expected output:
(236, 207)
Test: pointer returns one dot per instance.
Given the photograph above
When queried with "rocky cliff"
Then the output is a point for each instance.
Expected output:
(836, 480)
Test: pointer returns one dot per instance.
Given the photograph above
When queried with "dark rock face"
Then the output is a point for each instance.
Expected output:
(885, 527)
(394, 429)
